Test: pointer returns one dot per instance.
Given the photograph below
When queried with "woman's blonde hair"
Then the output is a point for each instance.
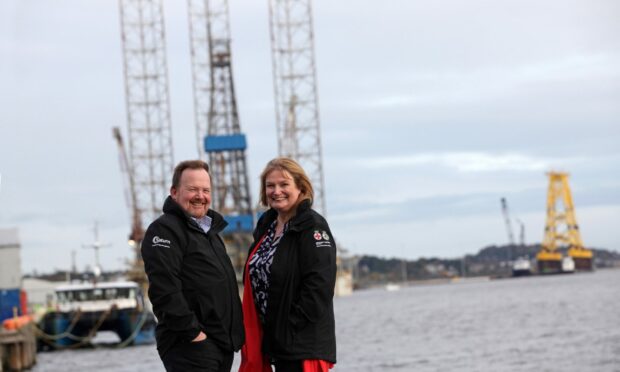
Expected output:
(295, 170)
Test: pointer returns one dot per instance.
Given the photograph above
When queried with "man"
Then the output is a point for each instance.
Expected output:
(193, 286)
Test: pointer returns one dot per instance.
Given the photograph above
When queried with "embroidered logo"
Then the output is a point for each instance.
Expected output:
(317, 235)
(325, 236)
(159, 242)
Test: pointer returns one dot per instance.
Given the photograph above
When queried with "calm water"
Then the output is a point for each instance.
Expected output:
(556, 323)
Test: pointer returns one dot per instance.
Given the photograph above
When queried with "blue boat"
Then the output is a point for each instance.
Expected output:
(84, 309)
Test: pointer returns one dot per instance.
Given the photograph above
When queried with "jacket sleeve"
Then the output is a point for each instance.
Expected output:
(317, 263)
(162, 253)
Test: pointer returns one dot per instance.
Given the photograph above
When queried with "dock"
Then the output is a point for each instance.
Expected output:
(18, 349)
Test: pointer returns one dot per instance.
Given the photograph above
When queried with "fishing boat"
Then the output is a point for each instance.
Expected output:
(83, 309)
(521, 267)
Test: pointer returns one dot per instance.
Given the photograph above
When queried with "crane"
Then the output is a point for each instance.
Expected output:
(511, 237)
(137, 230)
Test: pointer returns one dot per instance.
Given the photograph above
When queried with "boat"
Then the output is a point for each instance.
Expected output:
(392, 287)
(83, 309)
(521, 267)
(568, 265)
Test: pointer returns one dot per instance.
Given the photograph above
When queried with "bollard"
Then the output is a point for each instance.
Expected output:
(15, 357)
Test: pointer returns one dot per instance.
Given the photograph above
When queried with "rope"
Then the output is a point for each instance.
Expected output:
(40, 333)
(49, 339)
(81, 340)
(135, 332)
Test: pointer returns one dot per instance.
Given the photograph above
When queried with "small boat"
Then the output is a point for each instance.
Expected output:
(83, 309)
(568, 265)
(521, 267)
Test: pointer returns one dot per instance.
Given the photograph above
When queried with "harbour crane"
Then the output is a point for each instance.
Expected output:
(136, 233)
(511, 237)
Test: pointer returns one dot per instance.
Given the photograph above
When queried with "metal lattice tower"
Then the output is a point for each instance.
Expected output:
(294, 76)
(201, 73)
(148, 104)
(561, 228)
(150, 161)
(217, 121)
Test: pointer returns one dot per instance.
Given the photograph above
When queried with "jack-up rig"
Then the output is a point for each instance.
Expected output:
(217, 123)
(296, 102)
(149, 162)
(295, 90)
(561, 229)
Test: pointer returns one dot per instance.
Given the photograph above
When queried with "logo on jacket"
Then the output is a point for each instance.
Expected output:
(322, 239)
(159, 242)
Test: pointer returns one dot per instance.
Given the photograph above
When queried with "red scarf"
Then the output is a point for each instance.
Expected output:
(252, 357)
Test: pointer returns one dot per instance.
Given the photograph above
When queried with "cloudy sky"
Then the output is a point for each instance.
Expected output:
(431, 111)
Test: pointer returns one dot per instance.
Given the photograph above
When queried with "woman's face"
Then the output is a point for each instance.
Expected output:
(281, 191)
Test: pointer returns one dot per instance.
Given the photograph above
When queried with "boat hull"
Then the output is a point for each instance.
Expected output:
(74, 329)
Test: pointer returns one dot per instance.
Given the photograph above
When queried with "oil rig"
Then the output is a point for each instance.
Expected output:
(562, 231)
(218, 126)
(147, 162)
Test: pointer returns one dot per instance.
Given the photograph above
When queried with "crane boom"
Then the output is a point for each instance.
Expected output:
(511, 236)
(137, 231)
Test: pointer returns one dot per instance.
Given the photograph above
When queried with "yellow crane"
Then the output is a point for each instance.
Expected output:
(561, 229)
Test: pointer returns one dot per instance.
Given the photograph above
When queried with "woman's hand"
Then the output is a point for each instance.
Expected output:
(201, 336)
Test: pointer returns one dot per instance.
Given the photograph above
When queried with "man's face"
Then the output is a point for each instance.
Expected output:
(194, 192)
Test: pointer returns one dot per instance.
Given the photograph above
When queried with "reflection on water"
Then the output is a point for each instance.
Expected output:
(554, 323)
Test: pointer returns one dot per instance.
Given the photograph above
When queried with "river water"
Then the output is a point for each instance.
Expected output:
(550, 323)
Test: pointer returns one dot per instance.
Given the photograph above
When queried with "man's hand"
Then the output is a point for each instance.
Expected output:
(201, 336)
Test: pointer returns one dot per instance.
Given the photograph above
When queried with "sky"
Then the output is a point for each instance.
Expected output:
(430, 111)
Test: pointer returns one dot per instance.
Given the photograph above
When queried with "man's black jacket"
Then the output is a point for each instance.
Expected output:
(192, 283)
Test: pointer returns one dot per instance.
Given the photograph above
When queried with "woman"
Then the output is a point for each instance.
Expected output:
(289, 279)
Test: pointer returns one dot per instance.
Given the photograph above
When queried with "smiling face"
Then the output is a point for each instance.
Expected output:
(194, 192)
(281, 192)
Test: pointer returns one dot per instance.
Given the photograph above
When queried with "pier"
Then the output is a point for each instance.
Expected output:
(18, 349)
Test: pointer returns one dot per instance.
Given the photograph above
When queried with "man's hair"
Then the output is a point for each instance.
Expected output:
(187, 164)
(294, 170)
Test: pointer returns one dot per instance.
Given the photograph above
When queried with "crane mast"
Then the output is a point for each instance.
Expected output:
(149, 162)
(295, 89)
(217, 122)
(511, 237)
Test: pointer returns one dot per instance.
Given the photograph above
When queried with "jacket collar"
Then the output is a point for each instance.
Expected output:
(217, 221)
(301, 220)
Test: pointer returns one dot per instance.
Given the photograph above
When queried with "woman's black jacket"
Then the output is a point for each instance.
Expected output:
(192, 283)
(299, 322)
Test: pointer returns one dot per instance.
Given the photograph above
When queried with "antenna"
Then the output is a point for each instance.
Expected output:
(96, 245)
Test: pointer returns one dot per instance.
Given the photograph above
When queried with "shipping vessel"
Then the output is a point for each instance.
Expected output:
(521, 267)
(83, 309)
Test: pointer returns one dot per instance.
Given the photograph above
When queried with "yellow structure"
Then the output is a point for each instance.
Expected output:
(561, 229)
